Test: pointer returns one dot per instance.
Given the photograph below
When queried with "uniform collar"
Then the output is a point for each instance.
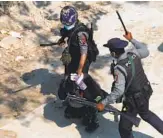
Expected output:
(123, 56)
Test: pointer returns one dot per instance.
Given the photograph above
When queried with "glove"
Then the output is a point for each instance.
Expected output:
(75, 77)
(100, 107)
(78, 80)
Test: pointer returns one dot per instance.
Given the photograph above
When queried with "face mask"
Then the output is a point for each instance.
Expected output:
(69, 27)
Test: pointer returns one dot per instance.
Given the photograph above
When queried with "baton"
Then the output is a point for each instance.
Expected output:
(122, 22)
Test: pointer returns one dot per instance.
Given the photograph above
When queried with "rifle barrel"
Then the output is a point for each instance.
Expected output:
(91, 35)
(110, 108)
(50, 44)
(134, 120)
(81, 100)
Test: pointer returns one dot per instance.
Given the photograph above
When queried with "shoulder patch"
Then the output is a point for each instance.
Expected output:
(121, 70)
(82, 38)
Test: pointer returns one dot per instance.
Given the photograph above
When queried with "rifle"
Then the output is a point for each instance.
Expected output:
(50, 44)
(122, 22)
(91, 30)
(110, 108)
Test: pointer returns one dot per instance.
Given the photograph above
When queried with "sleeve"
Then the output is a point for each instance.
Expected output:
(63, 33)
(118, 88)
(83, 42)
(140, 49)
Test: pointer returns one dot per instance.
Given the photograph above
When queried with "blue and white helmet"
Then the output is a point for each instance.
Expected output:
(68, 16)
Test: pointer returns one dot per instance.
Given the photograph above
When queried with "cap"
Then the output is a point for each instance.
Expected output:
(116, 43)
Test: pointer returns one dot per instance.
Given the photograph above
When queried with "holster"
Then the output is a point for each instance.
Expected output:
(129, 103)
(140, 98)
(147, 91)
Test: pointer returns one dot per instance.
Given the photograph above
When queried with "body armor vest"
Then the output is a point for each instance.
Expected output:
(74, 48)
(139, 79)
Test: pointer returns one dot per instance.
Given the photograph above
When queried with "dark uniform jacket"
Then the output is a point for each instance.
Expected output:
(77, 44)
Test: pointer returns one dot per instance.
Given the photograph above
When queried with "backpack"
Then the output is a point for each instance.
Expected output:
(93, 51)
(92, 47)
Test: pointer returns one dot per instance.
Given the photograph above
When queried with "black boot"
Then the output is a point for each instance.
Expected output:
(92, 125)
(85, 120)
(67, 113)
(90, 120)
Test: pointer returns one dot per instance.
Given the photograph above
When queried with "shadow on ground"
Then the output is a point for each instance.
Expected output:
(80, 5)
(11, 102)
(104, 3)
(139, 2)
(94, 16)
(160, 48)
(49, 82)
(53, 15)
(101, 62)
(107, 128)
(41, 4)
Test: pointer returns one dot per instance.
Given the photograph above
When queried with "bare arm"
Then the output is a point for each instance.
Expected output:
(82, 37)
(82, 63)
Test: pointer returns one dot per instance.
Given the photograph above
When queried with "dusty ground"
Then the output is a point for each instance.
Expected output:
(23, 63)
(38, 23)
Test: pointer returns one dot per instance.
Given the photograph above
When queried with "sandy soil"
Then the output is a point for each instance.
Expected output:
(30, 74)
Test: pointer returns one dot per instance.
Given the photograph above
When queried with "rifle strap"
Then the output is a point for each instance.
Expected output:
(133, 74)
(72, 35)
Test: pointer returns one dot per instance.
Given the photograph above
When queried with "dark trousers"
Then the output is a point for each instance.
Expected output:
(125, 127)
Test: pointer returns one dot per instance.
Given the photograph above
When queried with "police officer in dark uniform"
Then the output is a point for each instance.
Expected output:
(80, 59)
(130, 85)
